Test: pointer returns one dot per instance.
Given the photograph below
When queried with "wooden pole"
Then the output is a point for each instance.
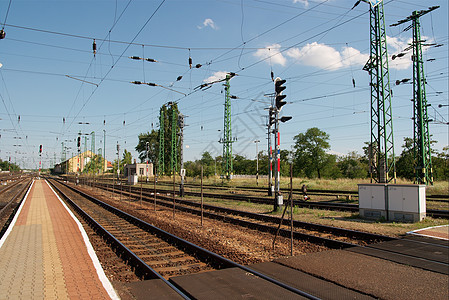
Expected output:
(141, 185)
(291, 209)
(154, 178)
(201, 195)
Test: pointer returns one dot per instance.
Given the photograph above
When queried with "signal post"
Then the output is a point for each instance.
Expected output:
(279, 102)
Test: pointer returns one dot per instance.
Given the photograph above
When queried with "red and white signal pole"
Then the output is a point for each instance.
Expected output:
(279, 102)
(40, 159)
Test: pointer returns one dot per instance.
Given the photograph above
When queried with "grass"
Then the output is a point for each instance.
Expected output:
(335, 218)
(345, 184)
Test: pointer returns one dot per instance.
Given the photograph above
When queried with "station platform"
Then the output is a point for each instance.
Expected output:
(46, 254)
(436, 232)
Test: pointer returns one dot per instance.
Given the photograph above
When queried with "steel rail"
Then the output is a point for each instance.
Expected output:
(286, 233)
(261, 217)
(437, 213)
(13, 213)
(141, 268)
(224, 262)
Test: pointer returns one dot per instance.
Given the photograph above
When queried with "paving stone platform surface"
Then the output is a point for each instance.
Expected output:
(45, 254)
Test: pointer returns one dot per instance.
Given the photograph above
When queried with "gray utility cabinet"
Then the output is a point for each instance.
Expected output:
(407, 202)
(372, 200)
(395, 202)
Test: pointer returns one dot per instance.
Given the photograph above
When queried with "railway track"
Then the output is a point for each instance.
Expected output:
(11, 198)
(153, 253)
(296, 191)
(436, 213)
(332, 237)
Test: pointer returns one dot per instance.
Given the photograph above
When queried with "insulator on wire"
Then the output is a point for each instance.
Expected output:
(94, 47)
(272, 76)
(179, 78)
(190, 62)
(198, 66)
(2, 34)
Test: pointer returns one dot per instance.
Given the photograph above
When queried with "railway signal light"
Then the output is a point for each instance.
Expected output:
(94, 47)
(272, 117)
(279, 97)
(40, 148)
(79, 142)
(285, 119)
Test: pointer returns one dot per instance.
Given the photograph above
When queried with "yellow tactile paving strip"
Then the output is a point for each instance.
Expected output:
(44, 256)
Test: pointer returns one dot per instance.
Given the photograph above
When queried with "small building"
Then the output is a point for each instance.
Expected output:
(77, 163)
(139, 169)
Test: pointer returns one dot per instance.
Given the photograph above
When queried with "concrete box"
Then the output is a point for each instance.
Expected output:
(407, 202)
(372, 200)
(132, 179)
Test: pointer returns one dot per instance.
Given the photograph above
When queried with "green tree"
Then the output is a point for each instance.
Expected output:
(6, 166)
(152, 138)
(127, 159)
(243, 165)
(95, 165)
(353, 166)
(193, 168)
(310, 157)
(440, 164)
(405, 164)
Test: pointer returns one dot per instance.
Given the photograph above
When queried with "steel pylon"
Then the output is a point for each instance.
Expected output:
(382, 165)
(227, 132)
(161, 160)
(174, 140)
(421, 136)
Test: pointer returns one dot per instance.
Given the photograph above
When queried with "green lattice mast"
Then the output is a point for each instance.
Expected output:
(161, 160)
(382, 160)
(92, 150)
(174, 140)
(421, 135)
(227, 132)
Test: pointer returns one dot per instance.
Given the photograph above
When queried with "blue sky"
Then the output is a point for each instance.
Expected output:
(318, 46)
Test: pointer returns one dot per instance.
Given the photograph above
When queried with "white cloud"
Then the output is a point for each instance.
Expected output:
(396, 45)
(317, 55)
(216, 76)
(208, 23)
(327, 57)
(351, 56)
(271, 53)
(305, 2)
